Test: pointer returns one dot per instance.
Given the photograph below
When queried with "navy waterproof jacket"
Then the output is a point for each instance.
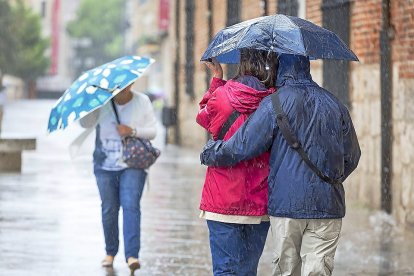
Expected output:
(325, 130)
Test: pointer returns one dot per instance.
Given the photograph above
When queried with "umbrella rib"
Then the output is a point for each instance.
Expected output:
(303, 41)
(244, 33)
(249, 28)
(111, 90)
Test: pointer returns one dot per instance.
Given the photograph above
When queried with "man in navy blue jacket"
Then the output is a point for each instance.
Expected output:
(305, 211)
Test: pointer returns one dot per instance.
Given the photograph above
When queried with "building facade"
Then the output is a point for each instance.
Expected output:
(149, 23)
(379, 90)
(141, 36)
(55, 15)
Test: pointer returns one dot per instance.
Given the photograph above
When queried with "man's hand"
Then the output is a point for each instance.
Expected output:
(124, 130)
(211, 147)
(215, 68)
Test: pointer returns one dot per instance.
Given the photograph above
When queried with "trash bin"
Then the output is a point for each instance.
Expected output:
(169, 116)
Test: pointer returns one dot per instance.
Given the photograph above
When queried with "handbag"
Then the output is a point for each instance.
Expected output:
(137, 152)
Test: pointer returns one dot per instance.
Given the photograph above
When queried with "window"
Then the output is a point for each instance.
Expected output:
(43, 9)
(292, 7)
(288, 7)
(233, 17)
(336, 17)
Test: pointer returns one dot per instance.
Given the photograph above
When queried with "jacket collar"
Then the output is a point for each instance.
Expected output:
(293, 69)
(245, 98)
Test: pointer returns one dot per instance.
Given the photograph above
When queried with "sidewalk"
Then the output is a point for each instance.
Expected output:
(50, 216)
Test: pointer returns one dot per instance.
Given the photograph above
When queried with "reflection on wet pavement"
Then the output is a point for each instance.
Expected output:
(50, 216)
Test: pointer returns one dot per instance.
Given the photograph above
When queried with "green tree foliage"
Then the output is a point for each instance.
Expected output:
(101, 24)
(30, 48)
(7, 38)
(22, 48)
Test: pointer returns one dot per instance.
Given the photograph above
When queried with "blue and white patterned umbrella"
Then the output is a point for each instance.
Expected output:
(95, 88)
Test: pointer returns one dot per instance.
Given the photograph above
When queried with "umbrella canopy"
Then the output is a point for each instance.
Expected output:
(278, 33)
(95, 88)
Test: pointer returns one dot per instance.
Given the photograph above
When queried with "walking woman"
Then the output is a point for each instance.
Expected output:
(120, 186)
(234, 199)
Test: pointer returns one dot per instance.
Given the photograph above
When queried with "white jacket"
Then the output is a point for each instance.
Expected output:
(143, 120)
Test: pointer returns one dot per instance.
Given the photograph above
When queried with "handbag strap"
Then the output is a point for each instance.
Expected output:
(115, 111)
(293, 142)
(119, 122)
(228, 123)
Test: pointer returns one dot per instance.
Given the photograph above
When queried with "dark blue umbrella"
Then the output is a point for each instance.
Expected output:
(278, 33)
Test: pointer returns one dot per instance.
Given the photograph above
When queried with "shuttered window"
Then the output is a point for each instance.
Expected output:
(288, 7)
(336, 17)
(233, 17)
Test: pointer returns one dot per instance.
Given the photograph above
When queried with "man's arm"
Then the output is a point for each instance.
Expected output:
(352, 151)
(253, 138)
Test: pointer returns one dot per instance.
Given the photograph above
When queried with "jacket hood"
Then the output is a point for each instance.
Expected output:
(293, 69)
(246, 93)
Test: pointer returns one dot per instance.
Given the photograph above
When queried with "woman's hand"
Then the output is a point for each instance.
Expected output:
(215, 68)
(125, 130)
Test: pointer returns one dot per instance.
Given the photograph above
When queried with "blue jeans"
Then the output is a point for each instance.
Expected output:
(236, 248)
(121, 188)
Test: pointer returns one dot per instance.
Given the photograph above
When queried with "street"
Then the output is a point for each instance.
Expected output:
(50, 215)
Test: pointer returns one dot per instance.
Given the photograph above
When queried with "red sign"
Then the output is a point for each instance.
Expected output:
(164, 19)
(54, 56)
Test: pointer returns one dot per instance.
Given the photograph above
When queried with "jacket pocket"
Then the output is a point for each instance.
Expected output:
(276, 266)
(329, 264)
(327, 229)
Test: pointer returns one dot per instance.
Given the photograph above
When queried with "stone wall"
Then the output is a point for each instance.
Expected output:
(365, 92)
(365, 184)
(402, 16)
(403, 149)
(313, 11)
(191, 134)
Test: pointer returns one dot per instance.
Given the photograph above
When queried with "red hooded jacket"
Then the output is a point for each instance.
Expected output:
(243, 188)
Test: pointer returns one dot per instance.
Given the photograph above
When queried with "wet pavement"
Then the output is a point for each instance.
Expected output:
(50, 215)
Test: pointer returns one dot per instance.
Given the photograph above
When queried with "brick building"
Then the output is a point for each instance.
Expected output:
(379, 90)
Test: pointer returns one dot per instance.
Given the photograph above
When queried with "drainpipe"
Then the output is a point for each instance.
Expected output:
(264, 4)
(386, 36)
(189, 48)
(210, 36)
(177, 136)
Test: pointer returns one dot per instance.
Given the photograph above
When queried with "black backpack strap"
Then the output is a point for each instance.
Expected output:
(293, 142)
(228, 123)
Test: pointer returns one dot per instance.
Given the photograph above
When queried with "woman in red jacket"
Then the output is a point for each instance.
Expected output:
(234, 199)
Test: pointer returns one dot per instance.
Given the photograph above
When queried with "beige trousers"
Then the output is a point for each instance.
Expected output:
(304, 246)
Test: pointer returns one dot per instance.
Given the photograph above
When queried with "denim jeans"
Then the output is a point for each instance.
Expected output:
(121, 188)
(236, 248)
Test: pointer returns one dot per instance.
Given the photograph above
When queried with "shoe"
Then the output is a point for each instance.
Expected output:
(108, 261)
(133, 264)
